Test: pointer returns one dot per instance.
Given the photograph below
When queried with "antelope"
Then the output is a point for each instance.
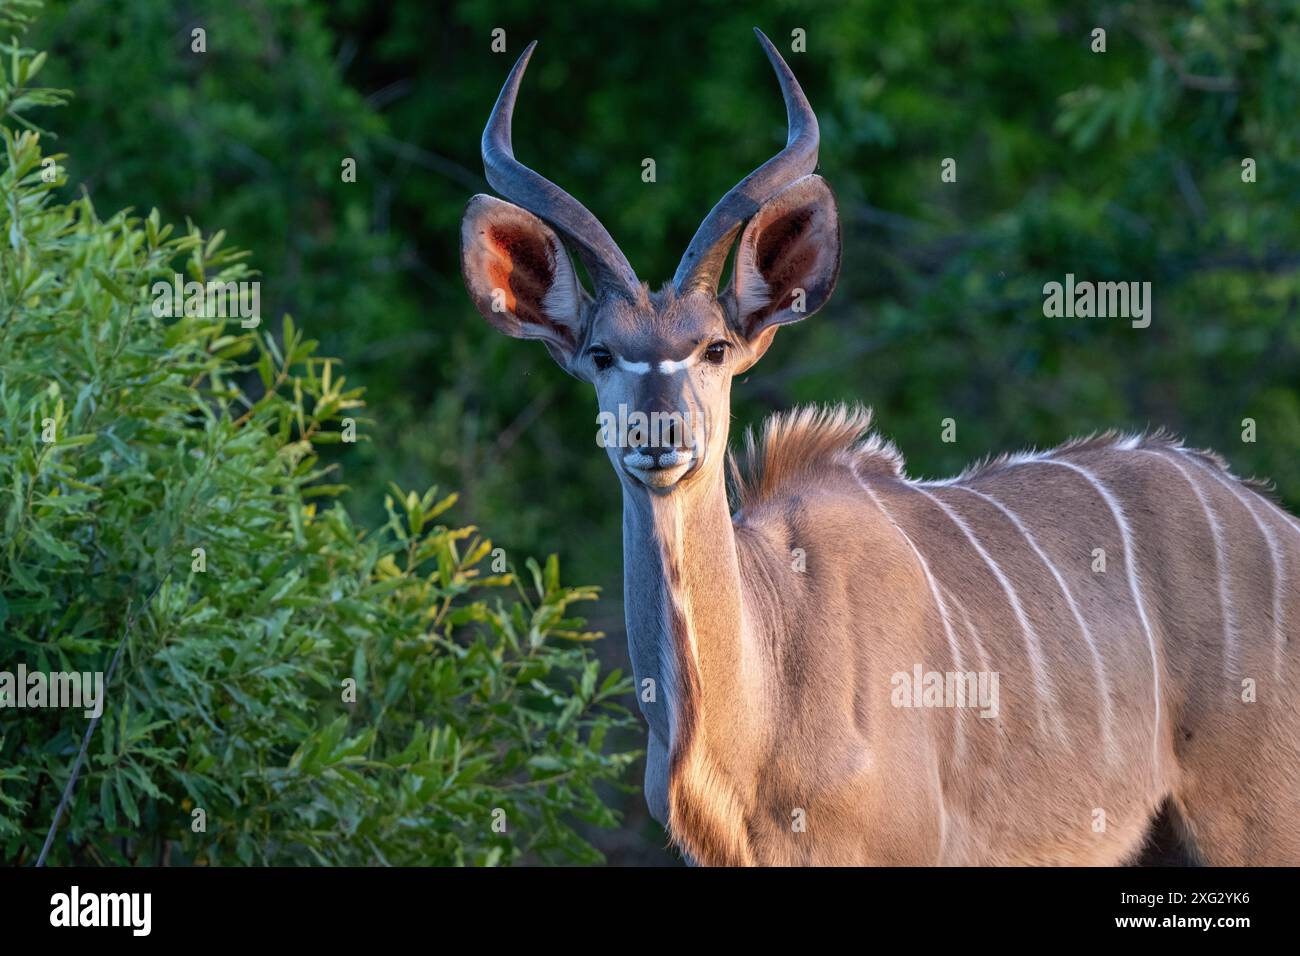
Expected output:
(807, 663)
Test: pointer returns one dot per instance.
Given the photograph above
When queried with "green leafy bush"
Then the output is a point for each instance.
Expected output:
(160, 486)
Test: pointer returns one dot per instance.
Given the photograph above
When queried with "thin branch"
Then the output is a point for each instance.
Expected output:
(391, 93)
(432, 161)
(94, 722)
(511, 434)
(1192, 81)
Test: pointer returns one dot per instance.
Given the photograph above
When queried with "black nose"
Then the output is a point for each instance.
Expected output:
(664, 432)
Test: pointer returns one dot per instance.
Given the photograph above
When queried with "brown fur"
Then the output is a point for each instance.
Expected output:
(880, 784)
(797, 444)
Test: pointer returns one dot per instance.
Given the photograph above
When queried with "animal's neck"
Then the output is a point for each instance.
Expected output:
(686, 617)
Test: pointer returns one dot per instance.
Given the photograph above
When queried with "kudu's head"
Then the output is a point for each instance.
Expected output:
(661, 362)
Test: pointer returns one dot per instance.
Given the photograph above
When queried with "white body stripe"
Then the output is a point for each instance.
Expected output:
(953, 601)
(938, 601)
(1135, 587)
(1279, 633)
(942, 804)
(1106, 713)
(1220, 566)
(1033, 647)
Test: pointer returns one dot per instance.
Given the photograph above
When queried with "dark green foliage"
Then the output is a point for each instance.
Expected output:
(129, 441)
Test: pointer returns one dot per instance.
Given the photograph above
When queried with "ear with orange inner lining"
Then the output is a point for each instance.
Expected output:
(520, 276)
(786, 264)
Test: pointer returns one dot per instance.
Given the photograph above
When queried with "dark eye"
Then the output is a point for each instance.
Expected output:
(715, 353)
(601, 356)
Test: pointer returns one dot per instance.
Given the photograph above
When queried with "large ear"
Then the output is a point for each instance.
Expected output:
(787, 261)
(520, 276)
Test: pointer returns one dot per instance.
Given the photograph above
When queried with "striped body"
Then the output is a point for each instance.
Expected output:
(1169, 675)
